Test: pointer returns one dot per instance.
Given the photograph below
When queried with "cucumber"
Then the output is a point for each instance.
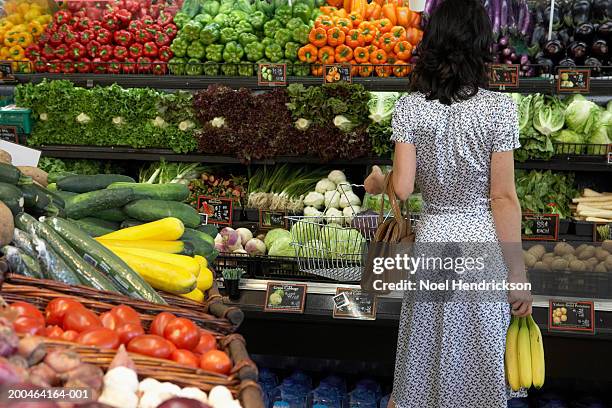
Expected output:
(11, 196)
(55, 176)
(96, 227)
(193, 233)
(85, 184)
(112, 214)
(87, 274)
(65, 195)
(83, 205)
(12, 175)
(128, 281)
(55, 198)
(153, 210)
(202, 245)
(169, 191)
(33, 200)
(22, 240)
(53, 266)
(130, 222)
(209, 229)
(22, 263)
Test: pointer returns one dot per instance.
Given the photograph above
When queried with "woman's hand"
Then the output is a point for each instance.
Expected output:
(374, 183)
(521, 302)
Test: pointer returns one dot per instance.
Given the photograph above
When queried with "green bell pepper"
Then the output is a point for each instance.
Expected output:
(282, 36)
(289, 65)
(257, 19)
(265, 7)
(179, 46)
(229, 69)
(271, 26)
(203, 19)
(291, 51)
(210, 34)
(228, 34)
(315, 13)
(214, 52)
(245, 69)
(247, 38)
(283, 14)
(274, 52)
(301, 69)
(191, 30)
(294, 23)
(244, 5)
(211, 68)
(180, 19)
(267, 41)
(226, 6)
(300, 34)
(210, 7)
(319, 3)
(196, 50)
(303, 12)
(233, 52)
(244, 27)
(221, 19)
(176, 66)
(236, 16)
(254, 51)
(193, 67)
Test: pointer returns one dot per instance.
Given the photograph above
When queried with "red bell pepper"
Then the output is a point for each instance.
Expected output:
(153, 29)
(147, 20)
(132, 5)
(40, 65)
(135, 50)
(92, 48)
(98, 66)
(165, 53)
(70, 37)
(44, 38)
(83, 65)
(80, 14)
(144, 65)
(62, 51)
(84, 23)
(64, 28)
(56, 38)
(113, 67)
(72, 20)
(122, 37)
(142, 36)
(62, 17)
(105, 52)
(96, 26)
(165, 17)
(120, 52)
(77, 51)
(54, 66)
(67, 67)
(33, 52)
(129, 66)
(104, 36)
(154, 10)
(86, 36)
(162, 39)
(159, 67)
(170, 30)
(150, 49)
(135, 25)
(124, 16)
(48, 52)
(110, 21)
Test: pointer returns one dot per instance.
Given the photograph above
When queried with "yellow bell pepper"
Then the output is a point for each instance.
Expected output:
(4, 53)
(10, 39)
(24, 39)
(17, 53)
(43, 20)
(6, 25)
(24, 8)
(31, 14)
(20, 28)
(35, 28)
(15, 18)
(11, 7)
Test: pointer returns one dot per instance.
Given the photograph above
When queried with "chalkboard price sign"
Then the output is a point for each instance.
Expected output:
(352, 303)
(272, 219)
(217, 210)
(337, 73)
(574, 80)
(610, 154)
(571, 316)
(6, 73)
(284, 297)
(9, 133)
(542, 227)
(502, 75)
(272, 74)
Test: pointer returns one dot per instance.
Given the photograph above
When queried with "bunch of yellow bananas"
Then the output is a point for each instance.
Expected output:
(524, 360)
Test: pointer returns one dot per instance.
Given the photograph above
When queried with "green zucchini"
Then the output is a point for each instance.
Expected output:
(112, 214)
(34, 201)
(85, 184)
(55, 198)
(87, 274)
(55, 176)
(11, 196)
(130, 222)
(65, 195)
(96, 227)
(169, 191)
(22, 263)
(203, 244)
(12, 175)
(193, 233)
(208, 229)
(53, 266)
(152, 210)
(129, 282)
(22, 240)
(86, 204)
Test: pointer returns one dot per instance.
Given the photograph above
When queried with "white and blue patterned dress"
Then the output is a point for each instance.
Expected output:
(451, 355)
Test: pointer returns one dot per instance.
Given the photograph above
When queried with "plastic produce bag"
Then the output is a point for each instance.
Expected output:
(21, 263)
(53, 266)
(23, 241)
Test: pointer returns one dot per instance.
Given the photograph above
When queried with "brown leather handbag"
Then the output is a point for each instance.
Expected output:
(389, 236)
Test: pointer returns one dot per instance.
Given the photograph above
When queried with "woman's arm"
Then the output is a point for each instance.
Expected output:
(506, 211)
(404, 170)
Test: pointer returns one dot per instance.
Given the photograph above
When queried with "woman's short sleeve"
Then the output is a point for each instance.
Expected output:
(506, 130)
(399, 123)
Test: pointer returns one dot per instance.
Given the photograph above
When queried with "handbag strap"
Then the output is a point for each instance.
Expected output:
(397, 213)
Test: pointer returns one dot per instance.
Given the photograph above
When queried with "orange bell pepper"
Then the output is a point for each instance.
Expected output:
(414, 35)
(343, 53)
(403, 50)
(371, 48)
(356, 19)
(384, 25)
(376, 39)
(401, 69)
(318, 37)
(386, 42)
(403, 16)
(340, 13)
(388, 12)
(323, 21)
(399, 33)
(379, 2)
(308, 53)
(317, 70)
(356, 7)
(354, 68)
(347, 5)
(384, 71)
(365, 70)
(378, 57)
(354, 39)
(373, 11)
(368, 30)
(361, 54)
(335, 36)
(326, 55)
(328, 10)
(415, 20)
(335, 3)
(344, 24)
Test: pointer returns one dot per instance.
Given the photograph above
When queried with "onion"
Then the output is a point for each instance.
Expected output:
(10, 374)
(122, 359)
(63, 361)
(255, 247)
(43, 376)
(89, 375)
(28, 344)
(245, 235)
(8, 338)
(182, 402)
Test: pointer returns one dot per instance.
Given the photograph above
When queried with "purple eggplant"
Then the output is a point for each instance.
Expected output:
(595, 65)
(557, 21)
(506, 52)
(545, 65)
(496, 5)
(504, 41)
(584, 32)
(512, 25)
(581, 11)
(526, 24)
(553, 50)
(567, 63)
(514, 57)
(524, 68)
(605, 31)
(564, 36)
(577, 51)
(600, 49)
(531, 72)
(524, 59)
(601, 10)
(508, 61)
(503, 17)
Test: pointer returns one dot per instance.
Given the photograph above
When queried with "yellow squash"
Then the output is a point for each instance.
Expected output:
(170, 247)
(180, 261)
(195, 294)
(166, 229)
(205, 279)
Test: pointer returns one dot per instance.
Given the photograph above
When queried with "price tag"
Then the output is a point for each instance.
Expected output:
(574, 80)
(272, 219)
(9, 133)
(6, 73)
(272, 74)
(217, 210)
(287, 298)
(571, 316)
(504, 76)
(354, 304)
(543, 227)
(337, 73)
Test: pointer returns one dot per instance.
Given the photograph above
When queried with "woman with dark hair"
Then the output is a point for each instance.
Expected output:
(456, 140)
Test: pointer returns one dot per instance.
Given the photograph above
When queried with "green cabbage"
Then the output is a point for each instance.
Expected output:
(303, 231)
(282, 247)
(549, 116)
(571, 137)
(581, 115)
(274, 235)
(381, 105)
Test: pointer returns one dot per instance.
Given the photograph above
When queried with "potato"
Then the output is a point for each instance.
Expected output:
(541, 266)
(530, 259)
(607, 245)
(580, 248)
(548, 258)
(601, 254)
(559, 264)
(569, 257)
(5, 157)
(576, 265)
(586, 253)
(7, 226)
(537, 250)
(601, 267)
(563, 248)
(592, 261)
(37, 174)
(608, 263)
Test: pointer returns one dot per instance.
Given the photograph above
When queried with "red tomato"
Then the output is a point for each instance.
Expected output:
(24, 309)
(151, 345)
(216, 361)
(80, 320)
(207, 343)
(70, 335)
(185, 357)
(57, 308)
(127, 331)
(183, 333)
(100, 337)
(29, 325)
(159, 323)
(125, 314)
(109, 320)
(54, 332)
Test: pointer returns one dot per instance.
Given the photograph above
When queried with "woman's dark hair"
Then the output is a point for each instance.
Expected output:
(454, 52)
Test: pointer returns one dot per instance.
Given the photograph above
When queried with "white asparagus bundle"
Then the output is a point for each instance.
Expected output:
(596, 219)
